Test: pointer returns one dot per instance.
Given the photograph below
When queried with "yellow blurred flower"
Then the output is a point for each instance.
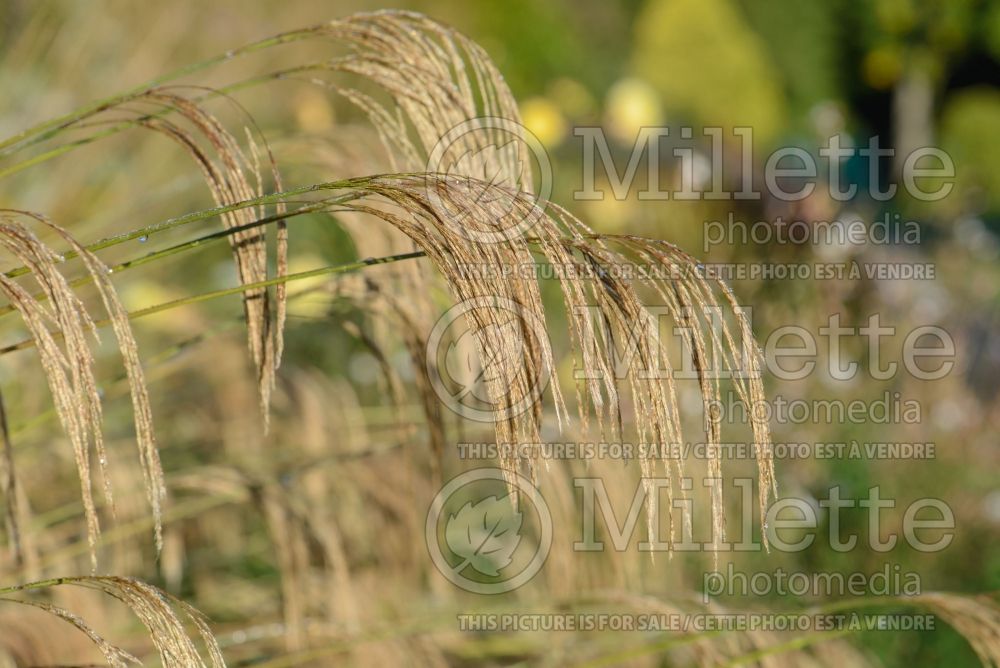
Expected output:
(631, 105)
(544, 119)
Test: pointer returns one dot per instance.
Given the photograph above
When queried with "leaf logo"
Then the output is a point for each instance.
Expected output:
(506, 345)
(487, 162)
(491, 367)
(496, 166)
(495, 181)
(485, 535)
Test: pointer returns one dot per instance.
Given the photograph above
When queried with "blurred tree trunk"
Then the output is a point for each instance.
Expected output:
(912, 115)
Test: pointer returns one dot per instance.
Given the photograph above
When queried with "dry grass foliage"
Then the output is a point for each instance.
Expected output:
(60, 326)
(155, 609)
(977, 618)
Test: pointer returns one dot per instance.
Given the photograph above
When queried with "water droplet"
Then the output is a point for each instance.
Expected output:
(143, 239)
(60, 258)
(111, 270)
